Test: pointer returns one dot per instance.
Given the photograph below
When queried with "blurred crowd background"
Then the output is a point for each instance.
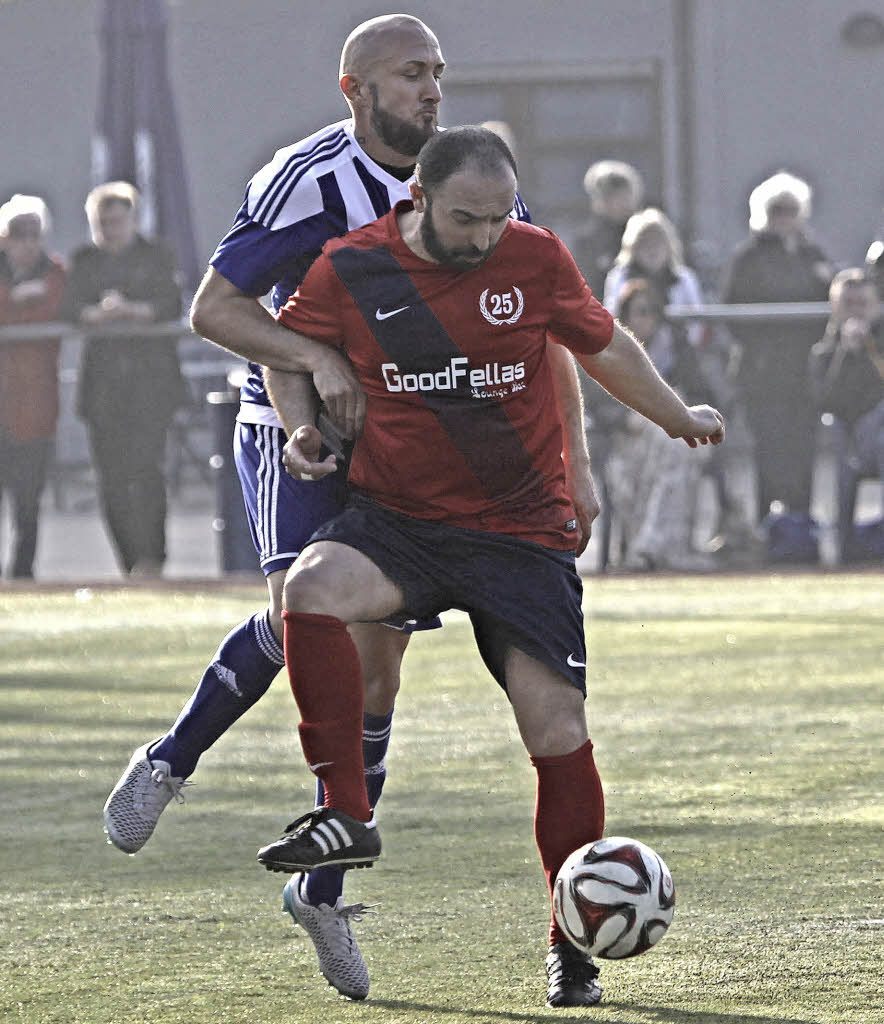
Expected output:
(712, 167)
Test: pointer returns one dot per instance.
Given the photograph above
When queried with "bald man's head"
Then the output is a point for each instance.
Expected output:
(390, 71)
(380, 39)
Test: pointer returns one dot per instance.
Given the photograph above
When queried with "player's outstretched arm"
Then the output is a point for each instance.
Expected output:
(624, 370)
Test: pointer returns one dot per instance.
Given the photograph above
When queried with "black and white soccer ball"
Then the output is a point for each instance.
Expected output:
(614, 898)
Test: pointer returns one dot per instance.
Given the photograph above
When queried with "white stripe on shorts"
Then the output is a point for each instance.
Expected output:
(267, 444)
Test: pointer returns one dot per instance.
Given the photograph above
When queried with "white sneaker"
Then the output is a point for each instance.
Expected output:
(138, 799)
(340, 961)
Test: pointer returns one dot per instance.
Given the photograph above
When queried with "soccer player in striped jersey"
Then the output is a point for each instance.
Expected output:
(342, 177)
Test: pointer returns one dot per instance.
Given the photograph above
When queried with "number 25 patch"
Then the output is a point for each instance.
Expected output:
(502, 307)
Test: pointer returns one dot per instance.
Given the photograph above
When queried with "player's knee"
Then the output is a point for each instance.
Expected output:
(307, 591)
(557, 736)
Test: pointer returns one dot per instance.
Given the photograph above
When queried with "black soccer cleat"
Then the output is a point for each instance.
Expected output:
(321, 837)
(572, 977)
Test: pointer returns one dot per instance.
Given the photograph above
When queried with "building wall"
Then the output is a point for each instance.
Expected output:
(771, 83)
(776, 87)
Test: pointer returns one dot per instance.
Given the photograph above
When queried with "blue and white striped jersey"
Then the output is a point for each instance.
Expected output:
(314, 190)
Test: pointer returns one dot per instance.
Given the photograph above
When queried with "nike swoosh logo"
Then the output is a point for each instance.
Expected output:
(319, 764)
(393, 312)
(575, 664)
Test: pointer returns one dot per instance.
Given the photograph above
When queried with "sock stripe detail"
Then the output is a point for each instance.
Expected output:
(270, 647)
(375, 735)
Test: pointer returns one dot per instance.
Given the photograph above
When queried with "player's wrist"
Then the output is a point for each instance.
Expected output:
(681, 422)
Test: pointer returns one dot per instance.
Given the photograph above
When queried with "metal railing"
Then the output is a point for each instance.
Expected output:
(752, 312)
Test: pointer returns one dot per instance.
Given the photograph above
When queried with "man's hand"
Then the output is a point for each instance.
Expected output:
(706, 426)
(338, 386)
(586, 504)
(301, 452)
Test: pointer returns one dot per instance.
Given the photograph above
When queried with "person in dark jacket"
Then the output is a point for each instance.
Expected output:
(615, 191)
(779, 262)
(847, 375)
(31, 289)
(130, 384)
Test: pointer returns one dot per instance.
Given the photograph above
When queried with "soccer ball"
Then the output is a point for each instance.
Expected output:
(614, 898)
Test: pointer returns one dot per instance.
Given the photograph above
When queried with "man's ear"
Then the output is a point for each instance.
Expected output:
(353, 89)
(418, 197)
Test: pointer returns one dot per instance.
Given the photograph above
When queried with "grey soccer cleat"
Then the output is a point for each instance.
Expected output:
(323, 837)
(138, 799)
(340, 961)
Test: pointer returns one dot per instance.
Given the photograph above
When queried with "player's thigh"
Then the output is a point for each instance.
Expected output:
(548, 707)
(330, 578)
(380, 651)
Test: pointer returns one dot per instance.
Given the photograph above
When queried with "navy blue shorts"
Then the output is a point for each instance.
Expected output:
(517, 593)
(284, 512)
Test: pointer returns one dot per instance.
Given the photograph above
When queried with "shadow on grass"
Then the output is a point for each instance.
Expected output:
(92, 681)
(663, 1015)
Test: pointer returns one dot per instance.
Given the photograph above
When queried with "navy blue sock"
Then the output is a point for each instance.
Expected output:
(325, 885)
(242, 670)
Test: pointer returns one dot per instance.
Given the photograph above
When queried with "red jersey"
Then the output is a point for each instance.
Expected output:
(461, 423)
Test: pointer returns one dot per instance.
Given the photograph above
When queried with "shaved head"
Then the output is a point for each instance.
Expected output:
(379, 39)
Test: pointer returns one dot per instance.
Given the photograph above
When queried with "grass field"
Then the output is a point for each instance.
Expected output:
(738, 725)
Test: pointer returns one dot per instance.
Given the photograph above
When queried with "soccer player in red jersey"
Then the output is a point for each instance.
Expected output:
(446, 308)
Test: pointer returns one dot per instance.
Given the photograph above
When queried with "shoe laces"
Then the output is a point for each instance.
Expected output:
(306, 821)
(342, 936)
(173, 785)
(356, 911)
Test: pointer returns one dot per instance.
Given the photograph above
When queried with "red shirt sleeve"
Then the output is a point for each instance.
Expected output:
(315, 308)
(578, 320)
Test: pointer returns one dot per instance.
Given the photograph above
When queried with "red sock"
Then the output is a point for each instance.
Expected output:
(326, 679)
(569, 813)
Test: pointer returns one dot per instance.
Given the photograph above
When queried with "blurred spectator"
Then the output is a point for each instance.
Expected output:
(653, 480)
(779, 263)
(651, 249)
(31, 289)
(847, 374)
(615, 190)
(129, 384)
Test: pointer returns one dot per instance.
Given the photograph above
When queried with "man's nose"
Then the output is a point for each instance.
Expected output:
(432, 91)
(480, 235)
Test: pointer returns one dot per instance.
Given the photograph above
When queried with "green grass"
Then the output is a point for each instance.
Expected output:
(738, 726)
